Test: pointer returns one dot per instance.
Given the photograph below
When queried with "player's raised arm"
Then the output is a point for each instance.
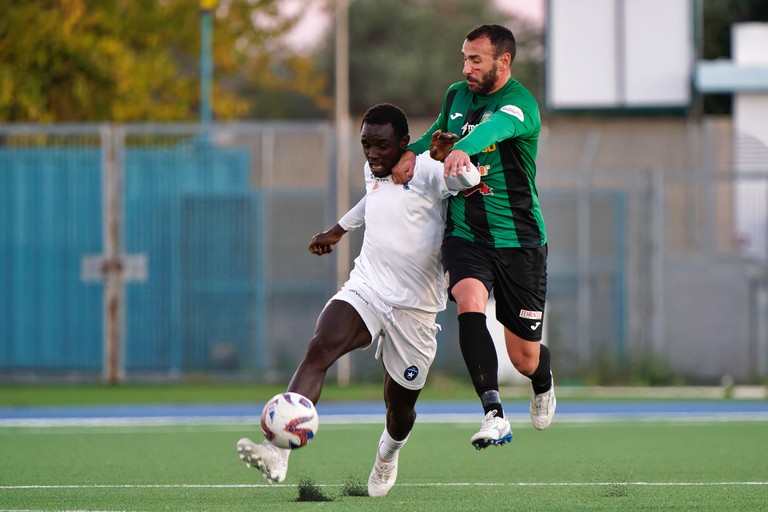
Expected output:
(402, 172)
(466, 178)
(455, 163)
(442, 144)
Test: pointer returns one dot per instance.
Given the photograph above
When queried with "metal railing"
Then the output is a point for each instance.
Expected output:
(161, 251)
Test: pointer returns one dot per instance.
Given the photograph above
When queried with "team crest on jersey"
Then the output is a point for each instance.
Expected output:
(469, 127)
(480, 187)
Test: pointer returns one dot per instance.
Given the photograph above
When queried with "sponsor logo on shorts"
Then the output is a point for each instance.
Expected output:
(535, 326)
(530, 315)
(411, 373)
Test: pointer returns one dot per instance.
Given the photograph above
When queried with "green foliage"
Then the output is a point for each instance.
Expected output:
(138, 60)
(718, 17)
(408, 52)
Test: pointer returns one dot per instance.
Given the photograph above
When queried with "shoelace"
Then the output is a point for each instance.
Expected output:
(541, 403)
(383, 469)
(490, 422)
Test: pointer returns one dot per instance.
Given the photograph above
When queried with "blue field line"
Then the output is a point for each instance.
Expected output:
(344, 412)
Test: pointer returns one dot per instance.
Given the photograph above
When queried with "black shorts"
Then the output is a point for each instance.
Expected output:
(517, 277)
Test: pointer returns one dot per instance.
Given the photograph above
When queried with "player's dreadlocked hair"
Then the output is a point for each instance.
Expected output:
(501, 37)
(386, 113)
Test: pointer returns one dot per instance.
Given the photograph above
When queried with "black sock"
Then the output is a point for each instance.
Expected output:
(479, 354)
(541, 379)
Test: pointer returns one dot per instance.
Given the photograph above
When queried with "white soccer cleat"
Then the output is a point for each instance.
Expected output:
(271, 460)
(543, 408)
(493, 432)
(383, 477)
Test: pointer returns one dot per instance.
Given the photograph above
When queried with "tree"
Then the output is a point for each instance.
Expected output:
(132, 60)
(407, 52)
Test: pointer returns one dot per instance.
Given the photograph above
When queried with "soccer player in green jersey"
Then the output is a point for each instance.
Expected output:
(495, 238)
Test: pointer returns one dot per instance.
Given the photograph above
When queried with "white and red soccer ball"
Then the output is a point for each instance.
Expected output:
(289, 420)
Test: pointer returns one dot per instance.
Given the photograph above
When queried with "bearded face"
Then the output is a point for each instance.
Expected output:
(486, 83)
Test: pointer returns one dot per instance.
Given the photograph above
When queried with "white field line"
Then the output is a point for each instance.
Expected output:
(430, 484)
(378, 418)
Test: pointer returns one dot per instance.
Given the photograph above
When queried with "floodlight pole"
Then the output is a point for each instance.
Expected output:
(206, 60)
(342, 155)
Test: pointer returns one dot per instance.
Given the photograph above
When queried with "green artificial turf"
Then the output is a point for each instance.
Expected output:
(571, 466)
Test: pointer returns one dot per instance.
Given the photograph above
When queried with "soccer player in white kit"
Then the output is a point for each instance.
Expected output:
(393, 294)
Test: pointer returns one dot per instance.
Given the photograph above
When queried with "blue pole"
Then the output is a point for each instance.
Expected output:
(206, 62)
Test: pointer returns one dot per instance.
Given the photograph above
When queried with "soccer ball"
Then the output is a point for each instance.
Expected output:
(289, 420)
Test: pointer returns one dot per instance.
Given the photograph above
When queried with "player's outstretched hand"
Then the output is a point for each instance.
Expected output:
(456, 162)
(322, 243)
(441, 144)
(402, 172)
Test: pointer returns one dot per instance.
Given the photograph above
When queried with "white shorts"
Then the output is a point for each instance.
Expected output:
(407, 338)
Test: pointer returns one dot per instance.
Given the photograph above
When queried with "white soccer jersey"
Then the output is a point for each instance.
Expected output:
(400, 256)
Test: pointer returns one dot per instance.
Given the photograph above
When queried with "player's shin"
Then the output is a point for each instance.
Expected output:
(479, 355)
(541, 378)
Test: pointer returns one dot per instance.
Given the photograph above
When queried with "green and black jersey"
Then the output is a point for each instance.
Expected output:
(500, 132)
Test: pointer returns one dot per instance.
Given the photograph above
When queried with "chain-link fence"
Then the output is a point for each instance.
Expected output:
(162, 251)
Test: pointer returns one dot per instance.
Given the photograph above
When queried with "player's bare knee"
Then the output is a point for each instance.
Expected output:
(322, 352)
(525, 364)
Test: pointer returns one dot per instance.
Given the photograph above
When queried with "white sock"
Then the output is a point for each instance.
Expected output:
(388, 447)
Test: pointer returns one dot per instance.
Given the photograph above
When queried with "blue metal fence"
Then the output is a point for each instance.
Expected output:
(50, 203)
(228, 285)
(226, 289)
(191, 211)
(222, 221)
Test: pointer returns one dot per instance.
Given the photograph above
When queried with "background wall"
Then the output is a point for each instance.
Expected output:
(648, 278)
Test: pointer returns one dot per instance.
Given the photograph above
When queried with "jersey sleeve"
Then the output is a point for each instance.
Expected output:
(429, 174)
(421, 144)
(466, 180)
(355, 217)
(508, 122)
